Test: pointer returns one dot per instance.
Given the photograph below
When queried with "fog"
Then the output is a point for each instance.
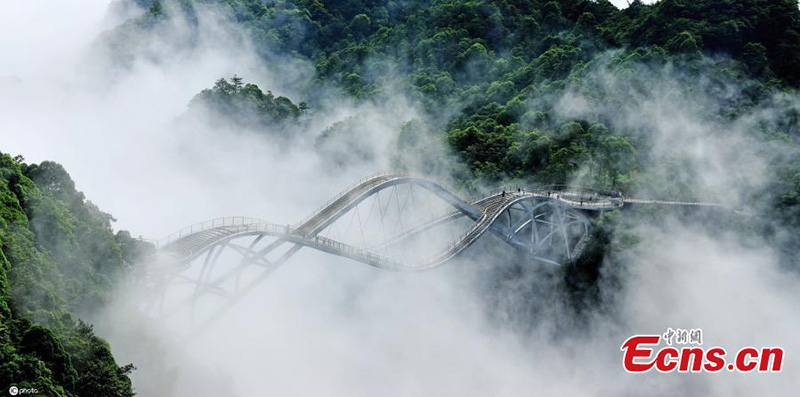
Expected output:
(322, 325)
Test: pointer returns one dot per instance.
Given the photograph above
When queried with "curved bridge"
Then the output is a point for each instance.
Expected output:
(506, 214)
(549, 225)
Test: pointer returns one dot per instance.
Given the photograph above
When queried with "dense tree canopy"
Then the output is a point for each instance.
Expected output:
(246, 104)
(501, 64)
(491, 77)
(58, 260)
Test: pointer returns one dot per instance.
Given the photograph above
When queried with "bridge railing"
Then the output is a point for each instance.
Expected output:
(582, 190)
(576, 193)
(354, 251)
(398, 173)
(322, 242)
(205, 225)
(573, 193)
(587, 197)
(344, 192)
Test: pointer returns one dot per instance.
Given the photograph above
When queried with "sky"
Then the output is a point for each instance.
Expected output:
(621, 4)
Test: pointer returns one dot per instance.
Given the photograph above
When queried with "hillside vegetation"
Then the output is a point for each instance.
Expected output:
(538, 91)
(491, 76)
(59, 261)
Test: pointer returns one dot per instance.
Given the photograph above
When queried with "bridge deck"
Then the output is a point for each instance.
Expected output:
(484, 211)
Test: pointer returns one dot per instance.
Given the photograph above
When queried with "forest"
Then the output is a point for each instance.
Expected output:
(60, 262)
(489, 73)
(491, 77)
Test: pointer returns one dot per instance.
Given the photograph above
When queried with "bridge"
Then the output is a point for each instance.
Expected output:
(547, 224)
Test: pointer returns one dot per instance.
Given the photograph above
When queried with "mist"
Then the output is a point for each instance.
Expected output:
(323, 325)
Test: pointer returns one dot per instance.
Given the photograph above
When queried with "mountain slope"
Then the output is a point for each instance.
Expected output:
(59, 260)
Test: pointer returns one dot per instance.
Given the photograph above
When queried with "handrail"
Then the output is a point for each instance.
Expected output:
(672, 202)
(205, 225)
(488, 207)
(284, 230)
(394, 173)
(540, 191)
(344, 192)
